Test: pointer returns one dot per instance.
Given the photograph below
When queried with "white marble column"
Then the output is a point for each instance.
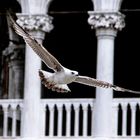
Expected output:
(103, 102)
(106, 23)
(37, 25)
(34, 20)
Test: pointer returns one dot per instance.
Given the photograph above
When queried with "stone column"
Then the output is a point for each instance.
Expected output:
(106, 23)
(15, 57)
(37, 25)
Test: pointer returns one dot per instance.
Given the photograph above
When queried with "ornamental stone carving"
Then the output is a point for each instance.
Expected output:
(35, 22)
(106, 20)
(14, 52)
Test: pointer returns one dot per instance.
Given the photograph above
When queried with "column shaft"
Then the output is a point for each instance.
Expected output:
(31, 119)
(32, 91)
(103, 104)
(107, 20)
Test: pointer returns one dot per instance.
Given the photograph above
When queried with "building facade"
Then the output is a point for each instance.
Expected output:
(30, 111)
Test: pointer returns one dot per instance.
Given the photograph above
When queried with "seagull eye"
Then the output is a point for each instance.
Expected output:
(72, 73)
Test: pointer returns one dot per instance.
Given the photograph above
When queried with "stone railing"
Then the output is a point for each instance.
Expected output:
(127, 117)
(68, 117)
(61, 117)
(71, 118)
(10, 116)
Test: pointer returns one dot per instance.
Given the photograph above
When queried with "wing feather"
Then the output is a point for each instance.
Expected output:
(98, 83)
(38, 48)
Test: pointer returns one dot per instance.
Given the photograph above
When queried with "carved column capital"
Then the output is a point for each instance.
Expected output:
(106, 20)
(35, 22)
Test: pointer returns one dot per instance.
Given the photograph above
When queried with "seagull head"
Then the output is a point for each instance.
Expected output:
(70, 74)
(74, 73)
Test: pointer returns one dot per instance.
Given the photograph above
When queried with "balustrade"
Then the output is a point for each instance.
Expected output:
(73, 115)
(126, 118)
(10, 114)
(70, 118)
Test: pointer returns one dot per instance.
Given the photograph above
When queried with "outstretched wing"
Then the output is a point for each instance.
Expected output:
(46, 57)
(98, 83)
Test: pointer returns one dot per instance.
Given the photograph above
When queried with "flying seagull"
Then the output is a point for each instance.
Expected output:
(58, 80)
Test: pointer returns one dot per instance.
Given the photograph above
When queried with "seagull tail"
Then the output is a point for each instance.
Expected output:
(117, 88)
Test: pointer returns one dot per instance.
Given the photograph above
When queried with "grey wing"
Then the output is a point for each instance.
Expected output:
(46, 57)
(98, 83)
